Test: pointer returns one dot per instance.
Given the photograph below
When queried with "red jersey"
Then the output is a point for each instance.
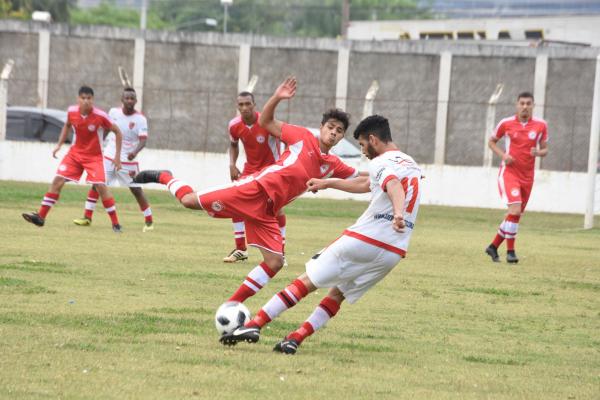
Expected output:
(519, 138)
(302, 160)
(261, 148)
(87, 135)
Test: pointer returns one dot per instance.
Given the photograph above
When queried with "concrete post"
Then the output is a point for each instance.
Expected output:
(4, 96)
(244, 67)
(588, 222)
(139, 55)
(539, 91)
(341, 85)
(43, 68)
(441, 120)
(490, 123)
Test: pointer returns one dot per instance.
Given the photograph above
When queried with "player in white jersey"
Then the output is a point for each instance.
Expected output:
(134, 126)
(365, 253)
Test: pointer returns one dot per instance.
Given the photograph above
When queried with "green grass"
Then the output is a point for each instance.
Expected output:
(86, 313)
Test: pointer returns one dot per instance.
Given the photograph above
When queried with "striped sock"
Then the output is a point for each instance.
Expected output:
(111, 209)
(326, 310)
(256, 279)
(90, 203)
(147, 213)
(511, 227)
(48, 201)
(282, 301)
(239, 234)
(176, 187)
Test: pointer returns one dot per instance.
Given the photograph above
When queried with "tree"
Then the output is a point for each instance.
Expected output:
(22, 9)
(107, 13)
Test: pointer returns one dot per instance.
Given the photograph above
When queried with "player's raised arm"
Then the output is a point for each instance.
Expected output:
(118, 141)
(395, 191)
(359, 184)
(286, 90)
(61, 139)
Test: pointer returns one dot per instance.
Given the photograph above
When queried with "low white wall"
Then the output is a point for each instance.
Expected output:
(443, 185)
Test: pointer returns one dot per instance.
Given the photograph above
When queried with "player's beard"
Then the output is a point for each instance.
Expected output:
(371, 153)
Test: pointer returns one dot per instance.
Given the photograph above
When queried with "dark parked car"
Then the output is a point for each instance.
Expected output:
(34, 124)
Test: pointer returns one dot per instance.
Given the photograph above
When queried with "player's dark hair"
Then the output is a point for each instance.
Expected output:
(86, 90)
(129, 89)
(337, 114)
(525, 95)
(374, 125)
(246, 94)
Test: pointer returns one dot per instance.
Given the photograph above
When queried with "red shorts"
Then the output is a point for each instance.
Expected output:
(514, 190)
(72, 166)
(246, 200)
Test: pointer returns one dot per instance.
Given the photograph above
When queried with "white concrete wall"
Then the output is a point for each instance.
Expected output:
(443, 184)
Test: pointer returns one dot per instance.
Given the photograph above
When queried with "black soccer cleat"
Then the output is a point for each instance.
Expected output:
(34, 218)
(149, 176)
(511, 257)
(117, 228)
(241, 334)
(286, 346)
(492, 251)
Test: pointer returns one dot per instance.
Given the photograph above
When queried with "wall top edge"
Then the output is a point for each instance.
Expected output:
(323, 44)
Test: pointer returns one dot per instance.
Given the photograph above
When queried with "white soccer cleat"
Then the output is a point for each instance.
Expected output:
(235, 256)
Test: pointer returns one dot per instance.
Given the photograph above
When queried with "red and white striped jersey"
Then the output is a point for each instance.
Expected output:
(133, 127)
(519, 139)
(302, 160)
(261, 148)
(87, 135)
(375, 224)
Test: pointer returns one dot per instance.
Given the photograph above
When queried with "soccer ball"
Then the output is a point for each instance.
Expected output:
(230, 316)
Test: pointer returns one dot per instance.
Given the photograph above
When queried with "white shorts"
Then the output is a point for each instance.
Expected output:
(124, 176)
(351, 265)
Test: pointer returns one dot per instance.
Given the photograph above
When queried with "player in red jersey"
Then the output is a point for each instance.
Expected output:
(85, 154)
(525, 138)
(258, 198)
(262, 150)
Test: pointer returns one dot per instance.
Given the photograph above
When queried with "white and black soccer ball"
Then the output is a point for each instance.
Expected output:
(230, 316)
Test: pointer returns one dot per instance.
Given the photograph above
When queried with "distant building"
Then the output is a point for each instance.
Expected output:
(572, 29)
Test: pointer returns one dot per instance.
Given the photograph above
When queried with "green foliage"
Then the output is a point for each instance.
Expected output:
(22, 9)
(109, 14)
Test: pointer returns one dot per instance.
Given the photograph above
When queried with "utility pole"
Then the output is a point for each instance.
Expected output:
(345, 18)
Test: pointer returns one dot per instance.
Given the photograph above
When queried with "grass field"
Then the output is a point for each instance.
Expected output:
(87, 313)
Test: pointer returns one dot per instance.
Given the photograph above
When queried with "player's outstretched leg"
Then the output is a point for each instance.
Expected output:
(178, 188)
(326, 310)
(282, 301)
(48, 201)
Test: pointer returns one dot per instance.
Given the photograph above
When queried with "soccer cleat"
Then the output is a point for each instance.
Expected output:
(286, 346)
(117, 228)
(511, 257)
(149, 176)
(241, 334)
(34, 218)
(236, 255)
(149, 226)
(492, 251)
(82, 221)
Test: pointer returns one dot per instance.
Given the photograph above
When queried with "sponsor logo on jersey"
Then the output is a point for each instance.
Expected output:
(131, 125)
(514, 192)
(91, 128)
(217, 206)
(379, 173)
(390, 217)
(260, 139)
(324, 168)
(532, 135)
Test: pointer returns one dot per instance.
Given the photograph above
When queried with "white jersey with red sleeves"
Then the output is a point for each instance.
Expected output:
(375, 224)
(520, 138)
(133, 127)
(261, 148)
(87, 135)
(302, 160)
